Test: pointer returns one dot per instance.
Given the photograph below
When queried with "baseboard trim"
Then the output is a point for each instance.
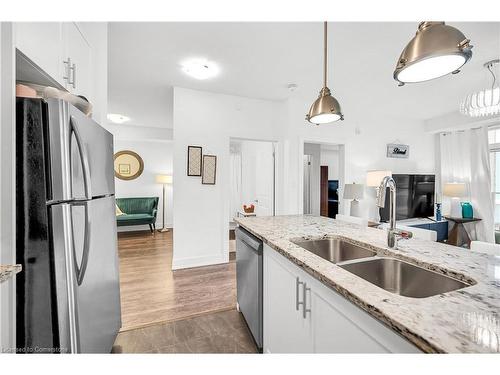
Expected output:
(136, 228)
(178, 264)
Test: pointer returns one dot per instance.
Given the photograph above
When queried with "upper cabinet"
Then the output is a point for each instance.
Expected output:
(42, 43)
(60, 50)
(77, 61)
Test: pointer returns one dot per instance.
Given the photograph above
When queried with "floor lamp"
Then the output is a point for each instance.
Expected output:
(163, 179)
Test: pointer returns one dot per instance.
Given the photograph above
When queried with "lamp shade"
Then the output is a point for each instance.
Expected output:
(353, 191)
(436, 50)
(163, 179)
(454, 189)
(374, 178)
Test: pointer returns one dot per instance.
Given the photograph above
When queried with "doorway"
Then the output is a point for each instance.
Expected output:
(323, 175)
(252, 181)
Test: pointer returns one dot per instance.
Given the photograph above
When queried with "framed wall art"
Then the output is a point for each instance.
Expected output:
(398, 151)
(128, 165)
(209, 169)
(194, 161)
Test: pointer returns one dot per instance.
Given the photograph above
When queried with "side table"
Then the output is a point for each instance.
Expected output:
(458, 235)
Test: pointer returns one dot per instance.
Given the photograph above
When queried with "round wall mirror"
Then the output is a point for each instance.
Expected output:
(128, 165)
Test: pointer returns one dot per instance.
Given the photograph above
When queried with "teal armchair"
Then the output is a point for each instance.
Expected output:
(137, 211)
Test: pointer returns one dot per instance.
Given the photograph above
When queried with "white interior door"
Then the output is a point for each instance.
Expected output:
(264, 179)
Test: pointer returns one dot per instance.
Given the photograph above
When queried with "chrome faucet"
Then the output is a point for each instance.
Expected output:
(393, 234)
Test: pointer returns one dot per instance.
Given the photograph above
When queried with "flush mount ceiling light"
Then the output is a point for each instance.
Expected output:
(326, 108)
(117, 118)
(200, 68)
(485, 102)
(436, 50)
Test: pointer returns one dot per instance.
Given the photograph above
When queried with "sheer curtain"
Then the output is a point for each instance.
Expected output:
(465, 158)
(235, 199)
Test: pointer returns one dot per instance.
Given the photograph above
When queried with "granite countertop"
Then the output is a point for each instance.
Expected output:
(6, 272)
(462, 321)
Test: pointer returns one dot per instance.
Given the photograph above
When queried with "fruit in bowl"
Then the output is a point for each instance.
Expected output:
(248, 209)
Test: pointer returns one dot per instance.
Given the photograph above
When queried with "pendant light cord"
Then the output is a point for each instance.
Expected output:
(325, 48)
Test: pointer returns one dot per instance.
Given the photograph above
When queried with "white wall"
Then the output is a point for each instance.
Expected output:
(157, 157)
(365, 139)
(200, 211)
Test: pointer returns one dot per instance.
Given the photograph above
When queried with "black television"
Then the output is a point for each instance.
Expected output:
(414, 196)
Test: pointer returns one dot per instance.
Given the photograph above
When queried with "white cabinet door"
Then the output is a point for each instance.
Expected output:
(334, 324)
(285, 329)
(339, 326)
(79, 51)
(41, 42)
(333, 332)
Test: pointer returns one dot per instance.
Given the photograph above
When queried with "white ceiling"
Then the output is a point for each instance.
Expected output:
(259, 60)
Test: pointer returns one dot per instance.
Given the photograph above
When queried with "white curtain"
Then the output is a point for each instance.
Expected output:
(465, 158)
(235, 199)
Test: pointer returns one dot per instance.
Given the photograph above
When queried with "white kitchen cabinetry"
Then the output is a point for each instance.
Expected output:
(285, 329)
(42, 43)
(333, 324)
(60, 50)
(77, 57)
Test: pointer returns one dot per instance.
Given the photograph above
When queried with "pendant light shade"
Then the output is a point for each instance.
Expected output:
(326, 108)
(485, 102)
(436, 50)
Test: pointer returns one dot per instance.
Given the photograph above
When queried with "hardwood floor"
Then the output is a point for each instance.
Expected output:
(151, 292)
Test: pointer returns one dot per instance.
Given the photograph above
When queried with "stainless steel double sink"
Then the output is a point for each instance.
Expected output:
(393, 275)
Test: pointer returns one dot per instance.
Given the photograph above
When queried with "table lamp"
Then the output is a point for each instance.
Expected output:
(454, 190)
(374, 178)
(354, 191)
(163, 179)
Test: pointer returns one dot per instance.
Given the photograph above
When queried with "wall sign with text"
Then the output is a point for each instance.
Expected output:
(398, 151)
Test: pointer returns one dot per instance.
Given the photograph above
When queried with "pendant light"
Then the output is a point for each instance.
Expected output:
(326, 108)
(484, 102)
(435, 51)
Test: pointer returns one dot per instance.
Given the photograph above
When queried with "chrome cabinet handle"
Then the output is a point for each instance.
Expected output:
(305, 310)
(73, 69)
(297, 292)
(70, 72)
(67, 72)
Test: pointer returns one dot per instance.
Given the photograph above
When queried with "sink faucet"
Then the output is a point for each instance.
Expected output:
(393, 234)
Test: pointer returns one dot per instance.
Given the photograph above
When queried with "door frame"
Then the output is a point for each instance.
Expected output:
(300, 168)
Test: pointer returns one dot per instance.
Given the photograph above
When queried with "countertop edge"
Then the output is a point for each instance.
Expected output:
(403, 331)
(8, 271)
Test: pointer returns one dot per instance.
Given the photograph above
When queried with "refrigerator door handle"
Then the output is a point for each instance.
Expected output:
(82, 268)
(83, 157)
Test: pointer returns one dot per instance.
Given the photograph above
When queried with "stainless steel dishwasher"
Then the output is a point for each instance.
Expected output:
(249, 274)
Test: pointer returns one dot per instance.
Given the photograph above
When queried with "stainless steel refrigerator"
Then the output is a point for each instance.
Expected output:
(68, 296)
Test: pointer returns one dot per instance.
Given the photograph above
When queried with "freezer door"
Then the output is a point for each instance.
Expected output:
(81, 155)
(89, 306)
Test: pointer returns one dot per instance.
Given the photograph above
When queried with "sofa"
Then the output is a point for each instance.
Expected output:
(137, 211)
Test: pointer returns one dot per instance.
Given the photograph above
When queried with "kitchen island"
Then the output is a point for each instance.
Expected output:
(466, 320)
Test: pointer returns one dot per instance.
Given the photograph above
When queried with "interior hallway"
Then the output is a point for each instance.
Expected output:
(151, 292)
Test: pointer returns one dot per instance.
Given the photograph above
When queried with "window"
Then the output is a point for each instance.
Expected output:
(494, 142)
